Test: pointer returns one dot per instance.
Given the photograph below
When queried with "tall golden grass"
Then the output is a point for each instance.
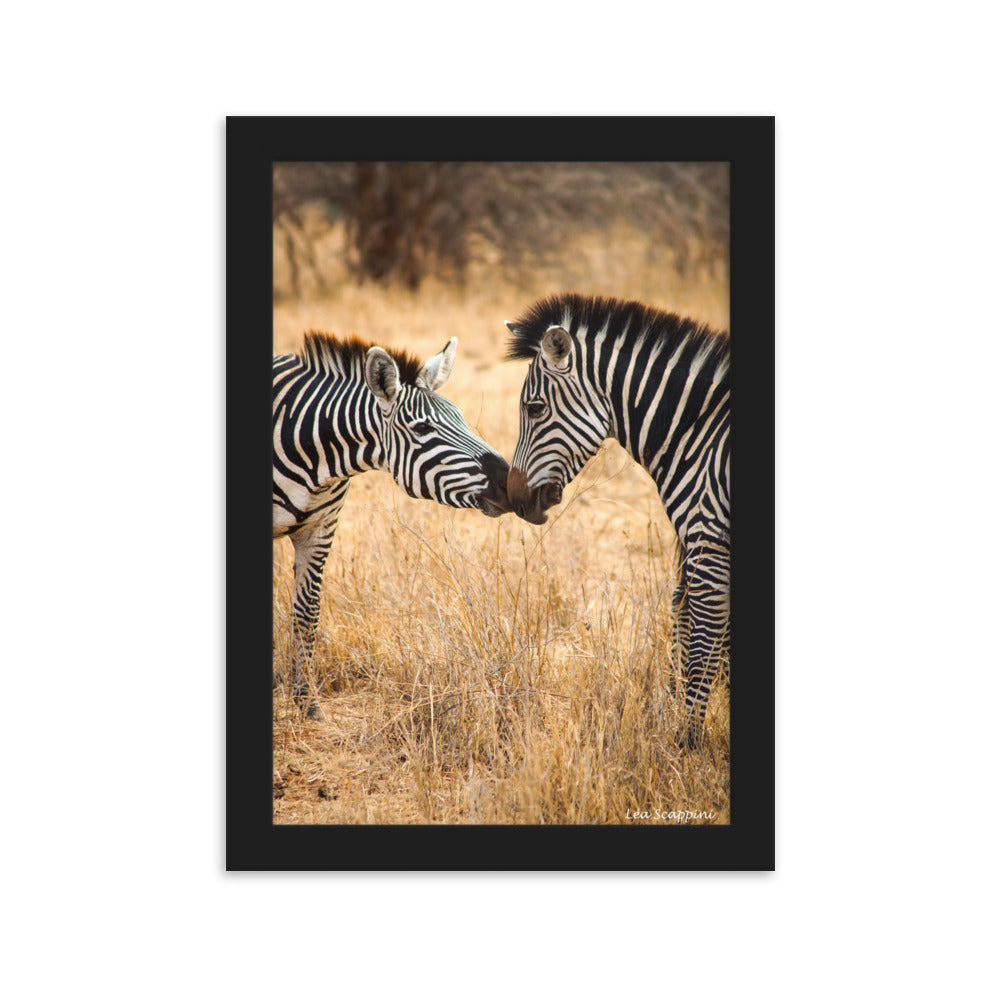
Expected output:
(491, 671)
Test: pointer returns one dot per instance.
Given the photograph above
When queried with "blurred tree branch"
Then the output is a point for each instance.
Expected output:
(405, 221)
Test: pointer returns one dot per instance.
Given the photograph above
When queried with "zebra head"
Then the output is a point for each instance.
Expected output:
(563, 422)
(429, 449)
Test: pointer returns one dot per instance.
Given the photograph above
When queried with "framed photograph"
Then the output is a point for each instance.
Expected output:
(518, 609)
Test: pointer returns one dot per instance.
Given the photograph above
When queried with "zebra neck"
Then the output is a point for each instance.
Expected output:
(663, 395)
(349, 429)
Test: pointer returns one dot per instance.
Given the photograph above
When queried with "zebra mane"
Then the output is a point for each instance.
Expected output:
(594, 313)
(328, 353)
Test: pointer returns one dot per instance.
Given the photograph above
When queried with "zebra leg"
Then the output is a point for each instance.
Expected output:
(681, 632)
(707, 571)
(310, 559)
(312, 546)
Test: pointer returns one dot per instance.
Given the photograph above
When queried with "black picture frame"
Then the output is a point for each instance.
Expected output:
(252, 841)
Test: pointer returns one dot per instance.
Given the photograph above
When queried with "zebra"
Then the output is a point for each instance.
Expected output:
(659, 384)
(340, 408)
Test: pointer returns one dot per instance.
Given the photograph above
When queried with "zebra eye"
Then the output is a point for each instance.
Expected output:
(535, 411)
(421, 428)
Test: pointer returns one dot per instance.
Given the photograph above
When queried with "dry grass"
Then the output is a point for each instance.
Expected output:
(490, 671)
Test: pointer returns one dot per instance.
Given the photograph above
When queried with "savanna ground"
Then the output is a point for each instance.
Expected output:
(491, 671)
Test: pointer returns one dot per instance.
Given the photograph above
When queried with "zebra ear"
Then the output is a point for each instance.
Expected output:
(435, 373)
(382, 377)
(556, 348)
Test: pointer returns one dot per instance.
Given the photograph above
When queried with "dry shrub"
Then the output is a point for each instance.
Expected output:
(491, 672)
(402, 223)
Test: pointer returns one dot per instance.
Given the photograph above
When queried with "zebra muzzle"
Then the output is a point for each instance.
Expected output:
(493, 500)
(531, 504)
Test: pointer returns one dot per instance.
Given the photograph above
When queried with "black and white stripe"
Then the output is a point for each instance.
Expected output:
(659, 384)
(344, 407)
